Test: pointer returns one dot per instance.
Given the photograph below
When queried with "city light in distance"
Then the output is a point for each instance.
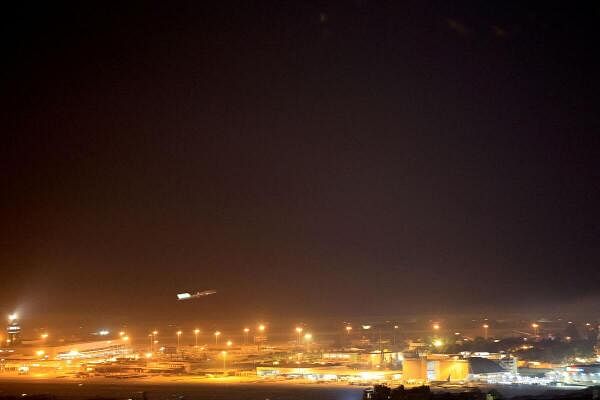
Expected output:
(304, 349)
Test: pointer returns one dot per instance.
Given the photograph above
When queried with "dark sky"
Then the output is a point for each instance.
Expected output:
(302, 158)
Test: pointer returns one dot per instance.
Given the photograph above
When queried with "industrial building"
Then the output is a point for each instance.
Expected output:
(330, 373)
(442, 367)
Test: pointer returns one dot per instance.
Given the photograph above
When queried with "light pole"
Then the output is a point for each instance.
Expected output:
(178, 337)
(154, 335)
(246, 330)
(535, 329)
(261, 329)
(196, 332)
(125, 339)
(307, 338)
(395, 330)
(299, 330)
(224, 354)
(217, 334)
(348, 331)
(485, 331)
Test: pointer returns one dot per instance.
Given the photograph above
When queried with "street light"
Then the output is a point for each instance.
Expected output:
(261, 329)
(535, 329)
(178, 336)
(299, 330)
(44, 336)
(348, 329)
(217, 334)
(246, 330)
(224, 354)
(196, 332)
(122, 348)
(436, 327)
(229, 343)
(307, 338)
(485, 331)
(153, 340)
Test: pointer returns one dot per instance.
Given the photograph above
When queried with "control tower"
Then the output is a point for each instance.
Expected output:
(13, 330)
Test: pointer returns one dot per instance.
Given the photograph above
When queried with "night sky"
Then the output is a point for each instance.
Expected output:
(301, 158)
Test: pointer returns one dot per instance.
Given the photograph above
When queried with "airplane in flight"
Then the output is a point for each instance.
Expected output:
(189, 296)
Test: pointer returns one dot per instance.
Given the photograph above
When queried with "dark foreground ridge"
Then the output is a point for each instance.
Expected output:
(383, 392)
